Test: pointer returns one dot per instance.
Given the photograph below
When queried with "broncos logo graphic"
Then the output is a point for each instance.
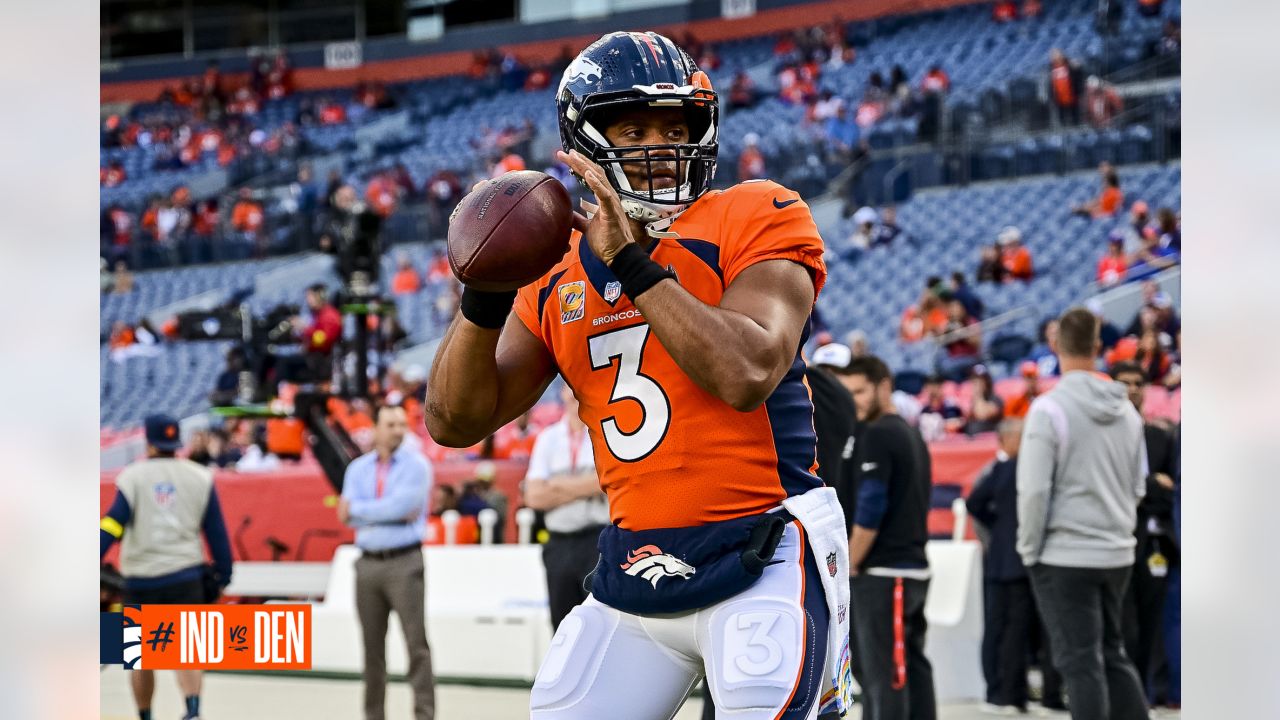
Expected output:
(650, 563)
(132, 637)
(582, 68)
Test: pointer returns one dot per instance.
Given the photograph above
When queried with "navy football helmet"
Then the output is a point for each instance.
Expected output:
(620, 71)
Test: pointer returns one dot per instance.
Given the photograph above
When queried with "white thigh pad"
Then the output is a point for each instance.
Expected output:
(756, 649)
(568, 670)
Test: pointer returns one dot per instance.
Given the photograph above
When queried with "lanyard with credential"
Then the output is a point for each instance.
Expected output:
(575, 444)
(381, 474)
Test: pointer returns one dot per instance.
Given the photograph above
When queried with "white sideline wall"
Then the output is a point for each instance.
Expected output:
(487, 615)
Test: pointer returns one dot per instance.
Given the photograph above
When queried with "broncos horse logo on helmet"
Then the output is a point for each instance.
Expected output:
(650, 563)
(625, 69)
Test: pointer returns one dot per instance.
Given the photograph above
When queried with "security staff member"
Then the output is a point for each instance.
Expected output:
(163, 505)
(889, 572)
(562, 481)
(384, 497)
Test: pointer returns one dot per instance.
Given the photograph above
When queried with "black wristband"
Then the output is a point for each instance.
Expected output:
(487, 309)
(637, 271)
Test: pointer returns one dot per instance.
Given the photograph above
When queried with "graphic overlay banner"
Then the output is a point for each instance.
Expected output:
(207, 637)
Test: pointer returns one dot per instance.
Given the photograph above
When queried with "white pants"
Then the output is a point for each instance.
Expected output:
(762, 652)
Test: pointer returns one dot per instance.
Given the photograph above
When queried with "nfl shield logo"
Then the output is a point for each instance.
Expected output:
(831, 564)
(164, 493)
(612, 291)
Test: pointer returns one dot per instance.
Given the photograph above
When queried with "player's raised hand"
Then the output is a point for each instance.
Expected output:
(609, 229)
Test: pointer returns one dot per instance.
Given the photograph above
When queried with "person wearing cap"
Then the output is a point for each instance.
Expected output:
(1019, 406)
(1114, 264)
(864, 221)
(384, 498)
(1139, 219)
(562, 482)
(1014, 256)
(886, 230)
(164, 510)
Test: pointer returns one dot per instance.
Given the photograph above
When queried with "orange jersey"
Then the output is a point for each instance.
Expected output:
(670, 454)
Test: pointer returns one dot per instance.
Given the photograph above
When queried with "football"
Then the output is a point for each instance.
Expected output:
(510, 231)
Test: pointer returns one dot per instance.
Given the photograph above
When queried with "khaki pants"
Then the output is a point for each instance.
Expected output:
(382, 586)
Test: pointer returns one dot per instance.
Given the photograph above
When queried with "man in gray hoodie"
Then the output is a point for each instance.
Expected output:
(1081, 472)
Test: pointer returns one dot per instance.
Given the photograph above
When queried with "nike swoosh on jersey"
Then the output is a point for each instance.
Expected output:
(781, 205)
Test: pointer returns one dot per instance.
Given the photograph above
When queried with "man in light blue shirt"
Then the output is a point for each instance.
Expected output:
(384, 497)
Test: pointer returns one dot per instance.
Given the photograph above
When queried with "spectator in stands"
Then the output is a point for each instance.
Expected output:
(1152, 257)
(1014, 256)
(1157, 548)
(939, 414)
(406, 280)
(1021, 405)
(443, 497)
(382, 194)
(843, 136)
(935, 81)
(1170, 229)
(990, 269)
(986, 409)
(1080, 477)
(121, 280)
(1045, 353)
(742, 92)
(1113, 266)
(258, 457)
(864, 222)
(331, 112)
(961, 291)
(925, 318)
(751, 161)
(1009, 610)
(198, 448)
(1139, 219)
(113, 175)
(965, 344)
(1101, 101)
(1109, 201)
(1003, 11)
(1064, 83)
(886, 230)
(247, 220)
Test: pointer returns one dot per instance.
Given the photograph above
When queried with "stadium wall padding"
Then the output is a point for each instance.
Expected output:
(289, 503)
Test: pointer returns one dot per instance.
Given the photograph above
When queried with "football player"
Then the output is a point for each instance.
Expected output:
(677, 318)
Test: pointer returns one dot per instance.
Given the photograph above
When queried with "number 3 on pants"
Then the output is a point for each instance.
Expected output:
(627, 345)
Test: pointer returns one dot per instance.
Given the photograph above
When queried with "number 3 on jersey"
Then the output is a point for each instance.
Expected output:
(627, 345)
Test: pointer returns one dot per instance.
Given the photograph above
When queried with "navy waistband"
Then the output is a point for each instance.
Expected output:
(173, 578)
